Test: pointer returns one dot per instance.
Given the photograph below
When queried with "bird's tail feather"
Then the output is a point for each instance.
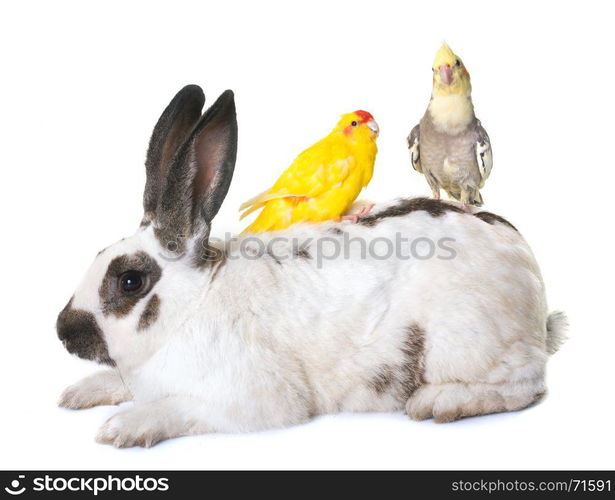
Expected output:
(261, 200)
(252, 208)
(253, 200)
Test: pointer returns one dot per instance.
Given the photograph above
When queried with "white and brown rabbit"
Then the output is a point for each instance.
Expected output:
(420, 306)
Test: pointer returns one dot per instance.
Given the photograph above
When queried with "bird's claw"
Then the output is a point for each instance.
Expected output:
(360, 214)
(354, 218)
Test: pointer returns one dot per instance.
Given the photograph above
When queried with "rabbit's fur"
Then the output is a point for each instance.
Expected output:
(272, 331)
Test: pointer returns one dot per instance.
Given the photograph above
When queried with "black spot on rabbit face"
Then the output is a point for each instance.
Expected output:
(128, 279)
(81, 335)
(435, 208)
(150, 314)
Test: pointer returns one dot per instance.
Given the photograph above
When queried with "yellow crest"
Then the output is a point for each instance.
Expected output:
(444, 56)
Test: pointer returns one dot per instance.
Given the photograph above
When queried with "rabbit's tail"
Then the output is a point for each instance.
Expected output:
(557, 326)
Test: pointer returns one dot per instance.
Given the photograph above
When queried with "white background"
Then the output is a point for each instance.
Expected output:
(83, 83)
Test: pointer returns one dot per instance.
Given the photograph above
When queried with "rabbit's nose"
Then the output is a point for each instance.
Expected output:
(80, 334)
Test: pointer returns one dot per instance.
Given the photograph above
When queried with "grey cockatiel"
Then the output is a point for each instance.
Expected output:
(449, 145)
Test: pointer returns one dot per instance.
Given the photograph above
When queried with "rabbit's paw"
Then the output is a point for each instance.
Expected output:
(136, 426)
(103, 388)
(450, 402)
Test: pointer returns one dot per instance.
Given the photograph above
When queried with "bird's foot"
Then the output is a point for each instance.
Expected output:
(360, 214)
(466, 208)
(354, 218)
(366, 210)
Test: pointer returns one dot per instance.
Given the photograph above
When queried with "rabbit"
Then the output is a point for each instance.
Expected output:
(271, 331)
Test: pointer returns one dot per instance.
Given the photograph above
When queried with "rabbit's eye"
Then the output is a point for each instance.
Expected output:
(131, 282)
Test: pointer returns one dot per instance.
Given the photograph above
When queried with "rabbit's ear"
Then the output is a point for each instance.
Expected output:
(171, 131)
(200, 174)
(214, 147)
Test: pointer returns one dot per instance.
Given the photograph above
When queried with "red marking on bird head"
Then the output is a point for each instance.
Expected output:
(365, 116)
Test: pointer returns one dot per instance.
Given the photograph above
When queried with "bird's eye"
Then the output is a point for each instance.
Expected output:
(131, 282)
(457, 63)
(354, 124)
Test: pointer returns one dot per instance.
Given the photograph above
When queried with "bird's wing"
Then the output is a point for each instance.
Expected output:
(484, 156)
(413, 146)
(317, 169)
(314, 171)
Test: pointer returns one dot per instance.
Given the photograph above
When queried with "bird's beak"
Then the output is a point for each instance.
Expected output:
(373, 126)
(446, 74)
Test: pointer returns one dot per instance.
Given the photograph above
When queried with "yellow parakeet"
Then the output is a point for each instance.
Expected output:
(323, 181)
